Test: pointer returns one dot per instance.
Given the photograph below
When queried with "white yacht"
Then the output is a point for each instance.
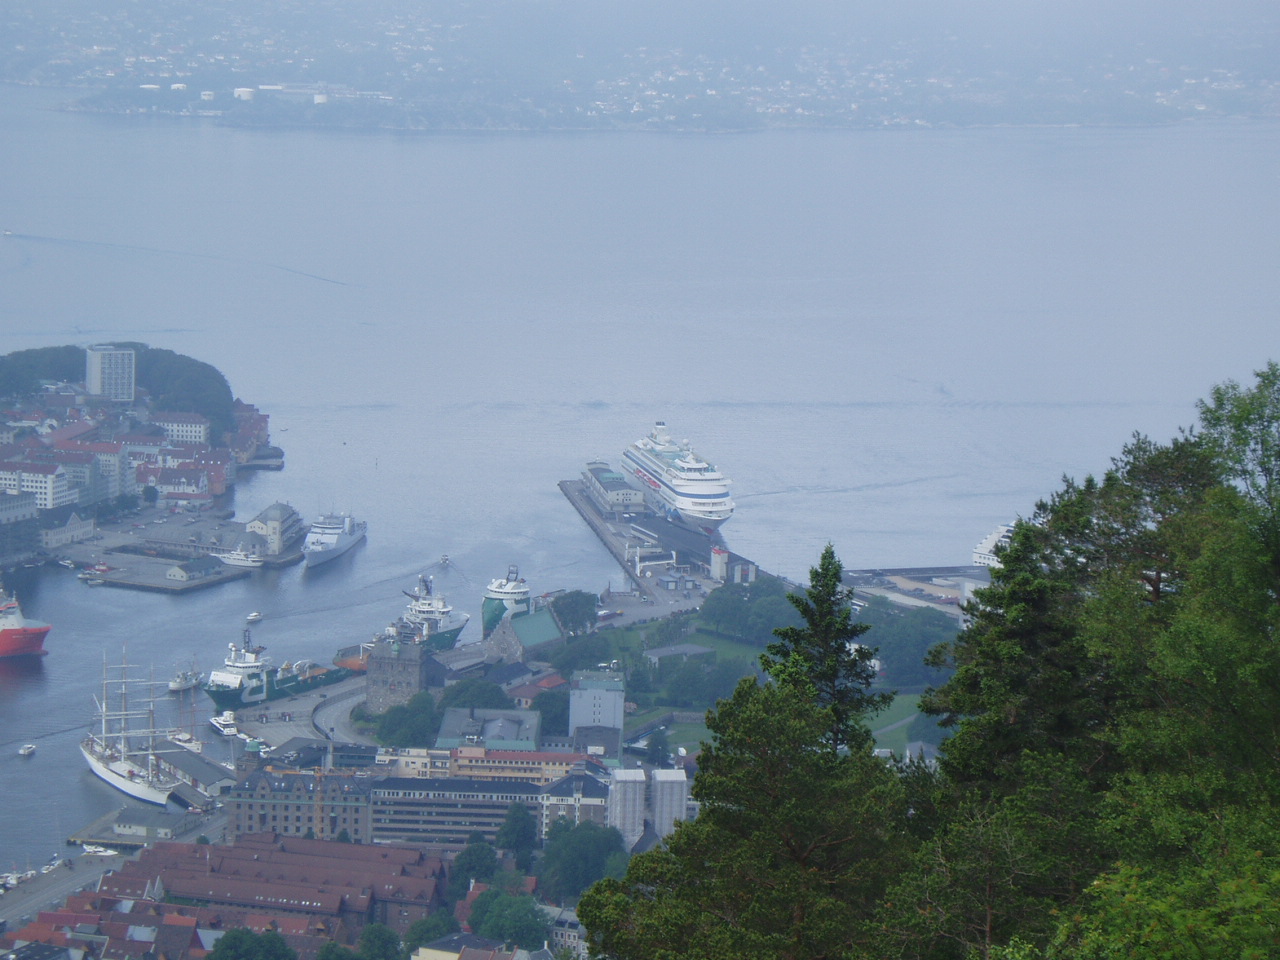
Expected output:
(677, 483)
(239, 558)
(331, 536)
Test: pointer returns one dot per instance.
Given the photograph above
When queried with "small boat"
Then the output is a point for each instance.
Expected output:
(225, 723)
(238, 558)
(185, 680)
(253, 617)
(95, 581)
(96, 850)
(68, 563)
(26, 750)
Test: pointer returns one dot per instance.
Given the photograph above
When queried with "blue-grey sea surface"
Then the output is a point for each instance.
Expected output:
(891, 341)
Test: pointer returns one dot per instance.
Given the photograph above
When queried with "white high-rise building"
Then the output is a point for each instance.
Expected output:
(626, 804)
(670, 799)
(110, 372)
(596, 699)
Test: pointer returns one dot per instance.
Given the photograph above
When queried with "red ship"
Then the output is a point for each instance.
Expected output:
(19, 637)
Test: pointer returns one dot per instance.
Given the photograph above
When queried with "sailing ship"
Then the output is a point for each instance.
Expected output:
(121, 747)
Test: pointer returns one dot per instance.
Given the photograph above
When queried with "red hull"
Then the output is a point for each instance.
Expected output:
(23, 641)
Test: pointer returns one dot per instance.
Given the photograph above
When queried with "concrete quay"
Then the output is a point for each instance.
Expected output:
(646, 600)
(141, 549)
(323, 714)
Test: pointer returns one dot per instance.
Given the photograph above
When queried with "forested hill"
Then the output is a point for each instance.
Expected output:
(1111, 784)
(174, 382)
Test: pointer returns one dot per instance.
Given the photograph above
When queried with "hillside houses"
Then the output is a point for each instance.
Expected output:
(68, 453)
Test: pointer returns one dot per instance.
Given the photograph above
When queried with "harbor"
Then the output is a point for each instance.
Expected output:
(173, 551)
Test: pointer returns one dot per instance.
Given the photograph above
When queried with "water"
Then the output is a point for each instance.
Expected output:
(891, 342)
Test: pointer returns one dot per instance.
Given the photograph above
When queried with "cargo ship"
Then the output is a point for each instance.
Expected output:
(250, 677)
(19, 637)
(677, 483)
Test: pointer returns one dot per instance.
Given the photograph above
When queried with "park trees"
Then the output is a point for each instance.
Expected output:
(242, 944)
(476, 861)
(509, 918)
(519, 834)
(576, 610)
(576, 856)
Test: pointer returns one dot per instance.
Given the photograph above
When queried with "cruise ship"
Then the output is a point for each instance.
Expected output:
(505, 596)
(677, 483)
(330, 537)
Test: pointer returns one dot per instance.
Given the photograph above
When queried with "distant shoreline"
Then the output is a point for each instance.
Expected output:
(371, 122)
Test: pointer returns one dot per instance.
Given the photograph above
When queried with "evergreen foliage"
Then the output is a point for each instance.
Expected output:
(22, 370)
(576, 610)
(511, 919)
(439, 924)
(574, 857)
(1110, 786)
(823, 653)
(473, 692)
(477, 861)
(519, 834)
(242, 944)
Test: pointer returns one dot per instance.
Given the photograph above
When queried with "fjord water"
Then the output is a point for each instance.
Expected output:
(891, 341)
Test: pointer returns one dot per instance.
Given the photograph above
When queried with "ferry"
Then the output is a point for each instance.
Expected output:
(676, 482)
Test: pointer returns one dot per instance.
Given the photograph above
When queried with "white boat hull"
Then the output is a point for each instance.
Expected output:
(236, 560)
(117, 774)
(330, 537)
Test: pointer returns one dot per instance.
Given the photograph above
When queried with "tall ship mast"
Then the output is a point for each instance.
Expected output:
(121, 746)
(677, 483)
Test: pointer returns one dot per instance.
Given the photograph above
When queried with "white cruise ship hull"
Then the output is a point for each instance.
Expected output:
(703, 510)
